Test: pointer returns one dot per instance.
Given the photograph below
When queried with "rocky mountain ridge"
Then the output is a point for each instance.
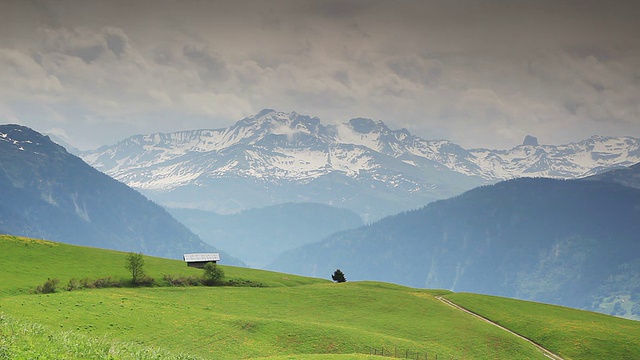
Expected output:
(274, 150)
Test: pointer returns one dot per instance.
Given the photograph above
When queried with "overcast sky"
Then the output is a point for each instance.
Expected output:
(479, 73)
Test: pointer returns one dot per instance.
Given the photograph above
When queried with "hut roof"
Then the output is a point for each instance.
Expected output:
(199, 257)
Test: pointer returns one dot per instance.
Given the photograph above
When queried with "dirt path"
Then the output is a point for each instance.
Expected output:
(544, 351)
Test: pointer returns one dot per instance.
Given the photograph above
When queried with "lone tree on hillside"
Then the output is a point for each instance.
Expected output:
(338, 276)
(213, 275)
(135, 264)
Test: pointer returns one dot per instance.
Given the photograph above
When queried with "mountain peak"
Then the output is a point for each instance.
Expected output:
(530, 141)
(264, 112)
(276, 122)
(365, 126)
(23, 137)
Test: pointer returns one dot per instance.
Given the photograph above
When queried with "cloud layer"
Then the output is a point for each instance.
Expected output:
(480, 73)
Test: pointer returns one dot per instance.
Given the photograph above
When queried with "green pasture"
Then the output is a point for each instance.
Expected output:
(234, 323)
(31, 262)
(571, 333)
(290, 317)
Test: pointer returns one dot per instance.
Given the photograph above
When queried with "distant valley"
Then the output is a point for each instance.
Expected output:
(258, 236)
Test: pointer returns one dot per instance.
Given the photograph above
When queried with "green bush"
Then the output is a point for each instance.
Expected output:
(87, 283)
(177, 280)
(48, 287)
(244, 283)
(73, 284)
(107, 282)
(213, 275)
(145, 280)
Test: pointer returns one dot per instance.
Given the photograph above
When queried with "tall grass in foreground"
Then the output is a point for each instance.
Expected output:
(20, 340)
(23, 340)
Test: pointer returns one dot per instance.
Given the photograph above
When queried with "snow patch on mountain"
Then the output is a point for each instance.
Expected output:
(276, 146)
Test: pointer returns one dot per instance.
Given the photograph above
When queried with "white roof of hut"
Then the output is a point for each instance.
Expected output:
(200, 257)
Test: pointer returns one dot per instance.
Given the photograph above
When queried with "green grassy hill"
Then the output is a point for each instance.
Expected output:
(571, 333)
(290, 317)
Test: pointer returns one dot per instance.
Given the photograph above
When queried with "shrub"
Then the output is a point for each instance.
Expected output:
(106, 282)
(86, 283)
(145, 281)
(48, 287)
(243, 283)
(213, 275)
(73, 284)
(177, 280)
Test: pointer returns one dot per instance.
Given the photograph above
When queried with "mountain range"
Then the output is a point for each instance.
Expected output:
(50, 194)
(362, 165)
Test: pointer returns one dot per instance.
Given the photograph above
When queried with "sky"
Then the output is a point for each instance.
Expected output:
(481, 73)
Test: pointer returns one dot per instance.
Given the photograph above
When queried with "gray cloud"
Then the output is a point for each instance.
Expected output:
(481, 73)
(214, 68)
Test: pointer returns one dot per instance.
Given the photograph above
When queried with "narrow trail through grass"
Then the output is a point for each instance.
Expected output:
(545, 351)
(569, 333)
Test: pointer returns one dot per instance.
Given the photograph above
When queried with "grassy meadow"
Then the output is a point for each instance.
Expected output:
(289, 317)
(571, 333)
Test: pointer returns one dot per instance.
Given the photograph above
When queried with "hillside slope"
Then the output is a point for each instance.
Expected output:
(565, 242)
(48, 193)
(292, 317)
(627, 176)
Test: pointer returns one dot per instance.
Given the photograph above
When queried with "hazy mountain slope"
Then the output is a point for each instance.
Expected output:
(49, 193)
(567, 242)
(629, 176)
(362, 165)
(257, 236)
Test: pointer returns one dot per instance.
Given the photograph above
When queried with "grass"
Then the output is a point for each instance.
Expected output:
(291, 317)
(571, 333)
(32, 262)
(233, 323)
(22, 340)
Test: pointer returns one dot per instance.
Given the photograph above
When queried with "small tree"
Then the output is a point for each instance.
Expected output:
(213, 275)
(338, 276)
(135, 264)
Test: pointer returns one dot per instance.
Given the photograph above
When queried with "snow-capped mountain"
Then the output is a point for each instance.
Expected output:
(363, 165)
